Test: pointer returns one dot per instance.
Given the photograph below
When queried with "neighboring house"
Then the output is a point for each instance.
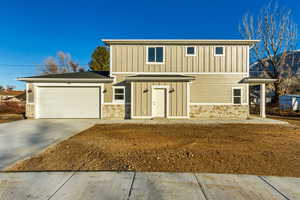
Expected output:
(255, 97)
(152, 79)
(290, 102)
(10, 95)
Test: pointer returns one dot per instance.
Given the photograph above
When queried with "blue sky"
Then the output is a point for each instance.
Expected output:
(33, 30)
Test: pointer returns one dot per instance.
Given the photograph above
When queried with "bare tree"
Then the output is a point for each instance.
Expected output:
(61, 64)
(274, 26)
(74, 67)
(10, 87)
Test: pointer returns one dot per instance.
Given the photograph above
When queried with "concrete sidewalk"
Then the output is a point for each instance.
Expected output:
(251, 120)
(140, 185)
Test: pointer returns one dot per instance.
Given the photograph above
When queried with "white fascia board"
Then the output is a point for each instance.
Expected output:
(181, 73)
(178, 41)
(68, 84)
(66, 80)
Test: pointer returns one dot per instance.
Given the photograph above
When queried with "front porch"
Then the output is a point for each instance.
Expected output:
(262, 83)
(160, 96)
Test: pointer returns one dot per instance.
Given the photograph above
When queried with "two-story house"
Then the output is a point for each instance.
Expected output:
(152, 79)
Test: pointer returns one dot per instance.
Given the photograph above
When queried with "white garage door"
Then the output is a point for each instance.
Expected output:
(68, 102)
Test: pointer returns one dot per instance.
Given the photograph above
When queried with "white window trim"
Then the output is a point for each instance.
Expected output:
(155, 63)
(195, 51)
(232, 95)
(219, 54)
(118, 100)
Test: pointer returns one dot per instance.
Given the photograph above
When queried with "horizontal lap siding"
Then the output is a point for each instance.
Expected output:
(142, 100)
(132, 58)
(216, 88)
(120, 81)
(206, 88)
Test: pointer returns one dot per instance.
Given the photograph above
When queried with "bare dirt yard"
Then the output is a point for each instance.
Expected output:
(227, 148)
(294, 120)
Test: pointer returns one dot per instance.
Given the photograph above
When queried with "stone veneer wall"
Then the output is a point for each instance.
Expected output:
(30, 110)
(113, 111)
(219, 111)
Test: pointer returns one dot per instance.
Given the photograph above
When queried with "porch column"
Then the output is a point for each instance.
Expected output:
(263, 100)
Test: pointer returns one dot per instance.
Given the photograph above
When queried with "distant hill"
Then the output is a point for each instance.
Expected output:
(292, 60)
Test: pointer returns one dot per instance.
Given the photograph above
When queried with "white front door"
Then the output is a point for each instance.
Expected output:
(159, 102)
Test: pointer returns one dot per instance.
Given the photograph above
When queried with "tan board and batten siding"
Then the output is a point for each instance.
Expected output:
(132, 58)
(215, 76)
(142, 100)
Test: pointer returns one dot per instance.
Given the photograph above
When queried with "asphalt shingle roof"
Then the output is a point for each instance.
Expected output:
(77, 75)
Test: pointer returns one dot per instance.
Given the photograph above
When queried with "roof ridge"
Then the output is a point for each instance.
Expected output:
(187, 41)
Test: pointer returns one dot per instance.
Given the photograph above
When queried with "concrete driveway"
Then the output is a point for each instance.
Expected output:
(24, 138)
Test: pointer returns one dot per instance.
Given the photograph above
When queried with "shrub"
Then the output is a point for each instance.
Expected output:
(12, 107)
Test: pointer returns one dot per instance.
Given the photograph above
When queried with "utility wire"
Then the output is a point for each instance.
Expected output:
(34, 65)
(80, 65)
(43, 65)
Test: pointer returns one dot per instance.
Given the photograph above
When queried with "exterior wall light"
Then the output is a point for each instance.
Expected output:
(172, 90)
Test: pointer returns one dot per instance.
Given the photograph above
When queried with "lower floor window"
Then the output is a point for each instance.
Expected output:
(119, 94)
(237, 95)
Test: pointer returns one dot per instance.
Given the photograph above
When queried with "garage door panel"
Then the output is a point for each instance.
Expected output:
(68, 102)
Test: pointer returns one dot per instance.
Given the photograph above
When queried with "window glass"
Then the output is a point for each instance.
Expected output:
(119, 94)
(237, 92)
(119, 97)
(237, 100)
(155, 54)
(219, 50)
(159, 54)
(237, 96)
(119, 90)
(151, 54)
(190, 50)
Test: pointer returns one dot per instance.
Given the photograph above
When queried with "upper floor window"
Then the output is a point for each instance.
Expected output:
(237, 95)
(155, 55)
(119, 94)
(190, 51)
(219, 51)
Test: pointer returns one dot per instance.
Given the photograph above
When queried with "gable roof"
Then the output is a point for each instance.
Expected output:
(178, 41)
(89, 76)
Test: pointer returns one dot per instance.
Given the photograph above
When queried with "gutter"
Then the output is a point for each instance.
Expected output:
(66, 80)
(160, 78)
(178, 41)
